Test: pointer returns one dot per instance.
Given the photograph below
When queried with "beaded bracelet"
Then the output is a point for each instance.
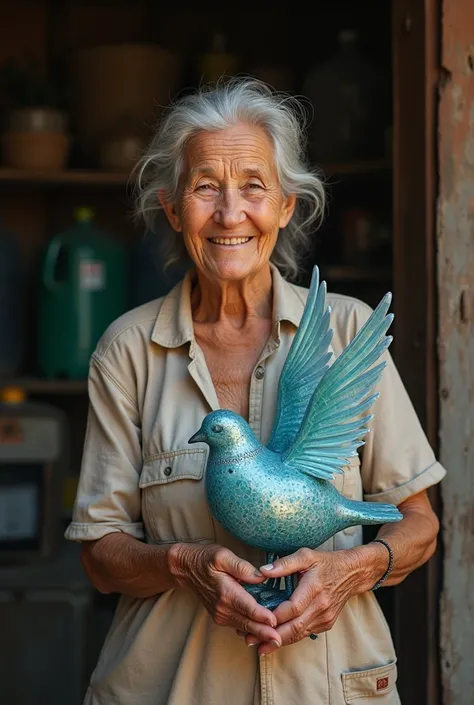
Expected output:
(390, 564)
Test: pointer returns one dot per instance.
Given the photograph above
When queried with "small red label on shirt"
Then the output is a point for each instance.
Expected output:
(382, 683)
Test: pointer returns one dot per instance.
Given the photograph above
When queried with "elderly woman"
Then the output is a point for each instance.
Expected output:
(227, 167)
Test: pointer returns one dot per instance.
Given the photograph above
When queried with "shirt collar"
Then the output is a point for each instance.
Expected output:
(174, 323)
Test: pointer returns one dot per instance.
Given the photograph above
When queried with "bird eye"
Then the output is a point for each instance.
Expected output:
(217, 428)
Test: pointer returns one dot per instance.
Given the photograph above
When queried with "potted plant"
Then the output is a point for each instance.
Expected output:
(35, 135)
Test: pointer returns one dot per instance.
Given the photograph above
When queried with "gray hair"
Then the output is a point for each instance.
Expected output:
(212, 108)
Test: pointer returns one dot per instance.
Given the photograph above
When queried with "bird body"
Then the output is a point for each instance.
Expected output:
(279, 497)
(260, 499)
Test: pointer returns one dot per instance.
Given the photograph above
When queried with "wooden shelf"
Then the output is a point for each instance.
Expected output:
(38, 385)
(91, 177)
(338, 273)
(69, 177)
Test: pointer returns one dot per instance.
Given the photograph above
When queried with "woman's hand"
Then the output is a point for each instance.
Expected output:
(214, 573)
(327, 581)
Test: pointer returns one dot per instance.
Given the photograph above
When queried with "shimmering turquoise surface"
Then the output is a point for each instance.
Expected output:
(278, 497)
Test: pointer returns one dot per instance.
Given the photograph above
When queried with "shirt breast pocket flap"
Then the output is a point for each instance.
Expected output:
(174, 506)
(374, 685)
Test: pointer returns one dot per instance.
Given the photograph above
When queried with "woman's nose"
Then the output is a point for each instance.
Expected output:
(229, 209)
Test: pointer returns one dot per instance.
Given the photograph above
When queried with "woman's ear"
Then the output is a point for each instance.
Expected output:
(171, 212)
(287, 210)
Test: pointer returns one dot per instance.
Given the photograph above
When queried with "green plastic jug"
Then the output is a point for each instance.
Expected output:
(82, 290)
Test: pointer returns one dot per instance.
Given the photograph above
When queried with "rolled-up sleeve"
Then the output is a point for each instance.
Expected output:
(108, 496)
(397, 460)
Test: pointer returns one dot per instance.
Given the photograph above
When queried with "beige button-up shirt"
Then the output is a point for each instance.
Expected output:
(149, 390)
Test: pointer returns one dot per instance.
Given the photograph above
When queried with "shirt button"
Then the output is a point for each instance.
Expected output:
(259, 372)
(168, 471)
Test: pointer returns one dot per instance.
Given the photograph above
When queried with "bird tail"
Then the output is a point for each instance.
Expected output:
(367, 513)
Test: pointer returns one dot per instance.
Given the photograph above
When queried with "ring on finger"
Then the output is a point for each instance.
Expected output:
(313, 636)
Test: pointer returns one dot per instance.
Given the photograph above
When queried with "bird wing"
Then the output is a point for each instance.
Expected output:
(334, 424)
(305, 365)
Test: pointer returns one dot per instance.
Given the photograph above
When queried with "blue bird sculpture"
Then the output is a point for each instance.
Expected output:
(279, 497)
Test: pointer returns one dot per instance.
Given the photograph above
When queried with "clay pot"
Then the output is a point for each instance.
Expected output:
(116, 83)
(121, 148)
(121, 153)
(35, 150)
(36, 139)
(37, 119)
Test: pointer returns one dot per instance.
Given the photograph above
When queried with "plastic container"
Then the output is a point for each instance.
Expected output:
(49, 641)
(82, 290)
(11, 305)
(44, 655)
(33, 455)
(347, 93)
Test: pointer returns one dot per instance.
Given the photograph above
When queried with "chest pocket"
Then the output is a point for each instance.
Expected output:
(174, 506)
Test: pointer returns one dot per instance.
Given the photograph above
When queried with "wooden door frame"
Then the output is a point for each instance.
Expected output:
(415, 97)
(456, 347)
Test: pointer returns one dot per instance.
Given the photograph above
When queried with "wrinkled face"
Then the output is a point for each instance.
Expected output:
(231, 205)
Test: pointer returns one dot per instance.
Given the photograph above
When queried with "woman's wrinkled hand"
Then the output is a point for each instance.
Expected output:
(215, 574)
(326, 581)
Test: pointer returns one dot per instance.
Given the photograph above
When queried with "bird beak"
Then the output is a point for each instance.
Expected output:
(198, 437)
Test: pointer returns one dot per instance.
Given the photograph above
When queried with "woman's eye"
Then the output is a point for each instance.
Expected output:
(205, 187)
(254, 186)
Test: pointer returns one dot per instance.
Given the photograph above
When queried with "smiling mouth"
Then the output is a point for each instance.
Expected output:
(228, 241)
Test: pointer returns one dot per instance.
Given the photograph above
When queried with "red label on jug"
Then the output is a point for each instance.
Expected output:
(92, 275)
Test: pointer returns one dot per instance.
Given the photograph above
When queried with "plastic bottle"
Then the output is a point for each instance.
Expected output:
(218, 61)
